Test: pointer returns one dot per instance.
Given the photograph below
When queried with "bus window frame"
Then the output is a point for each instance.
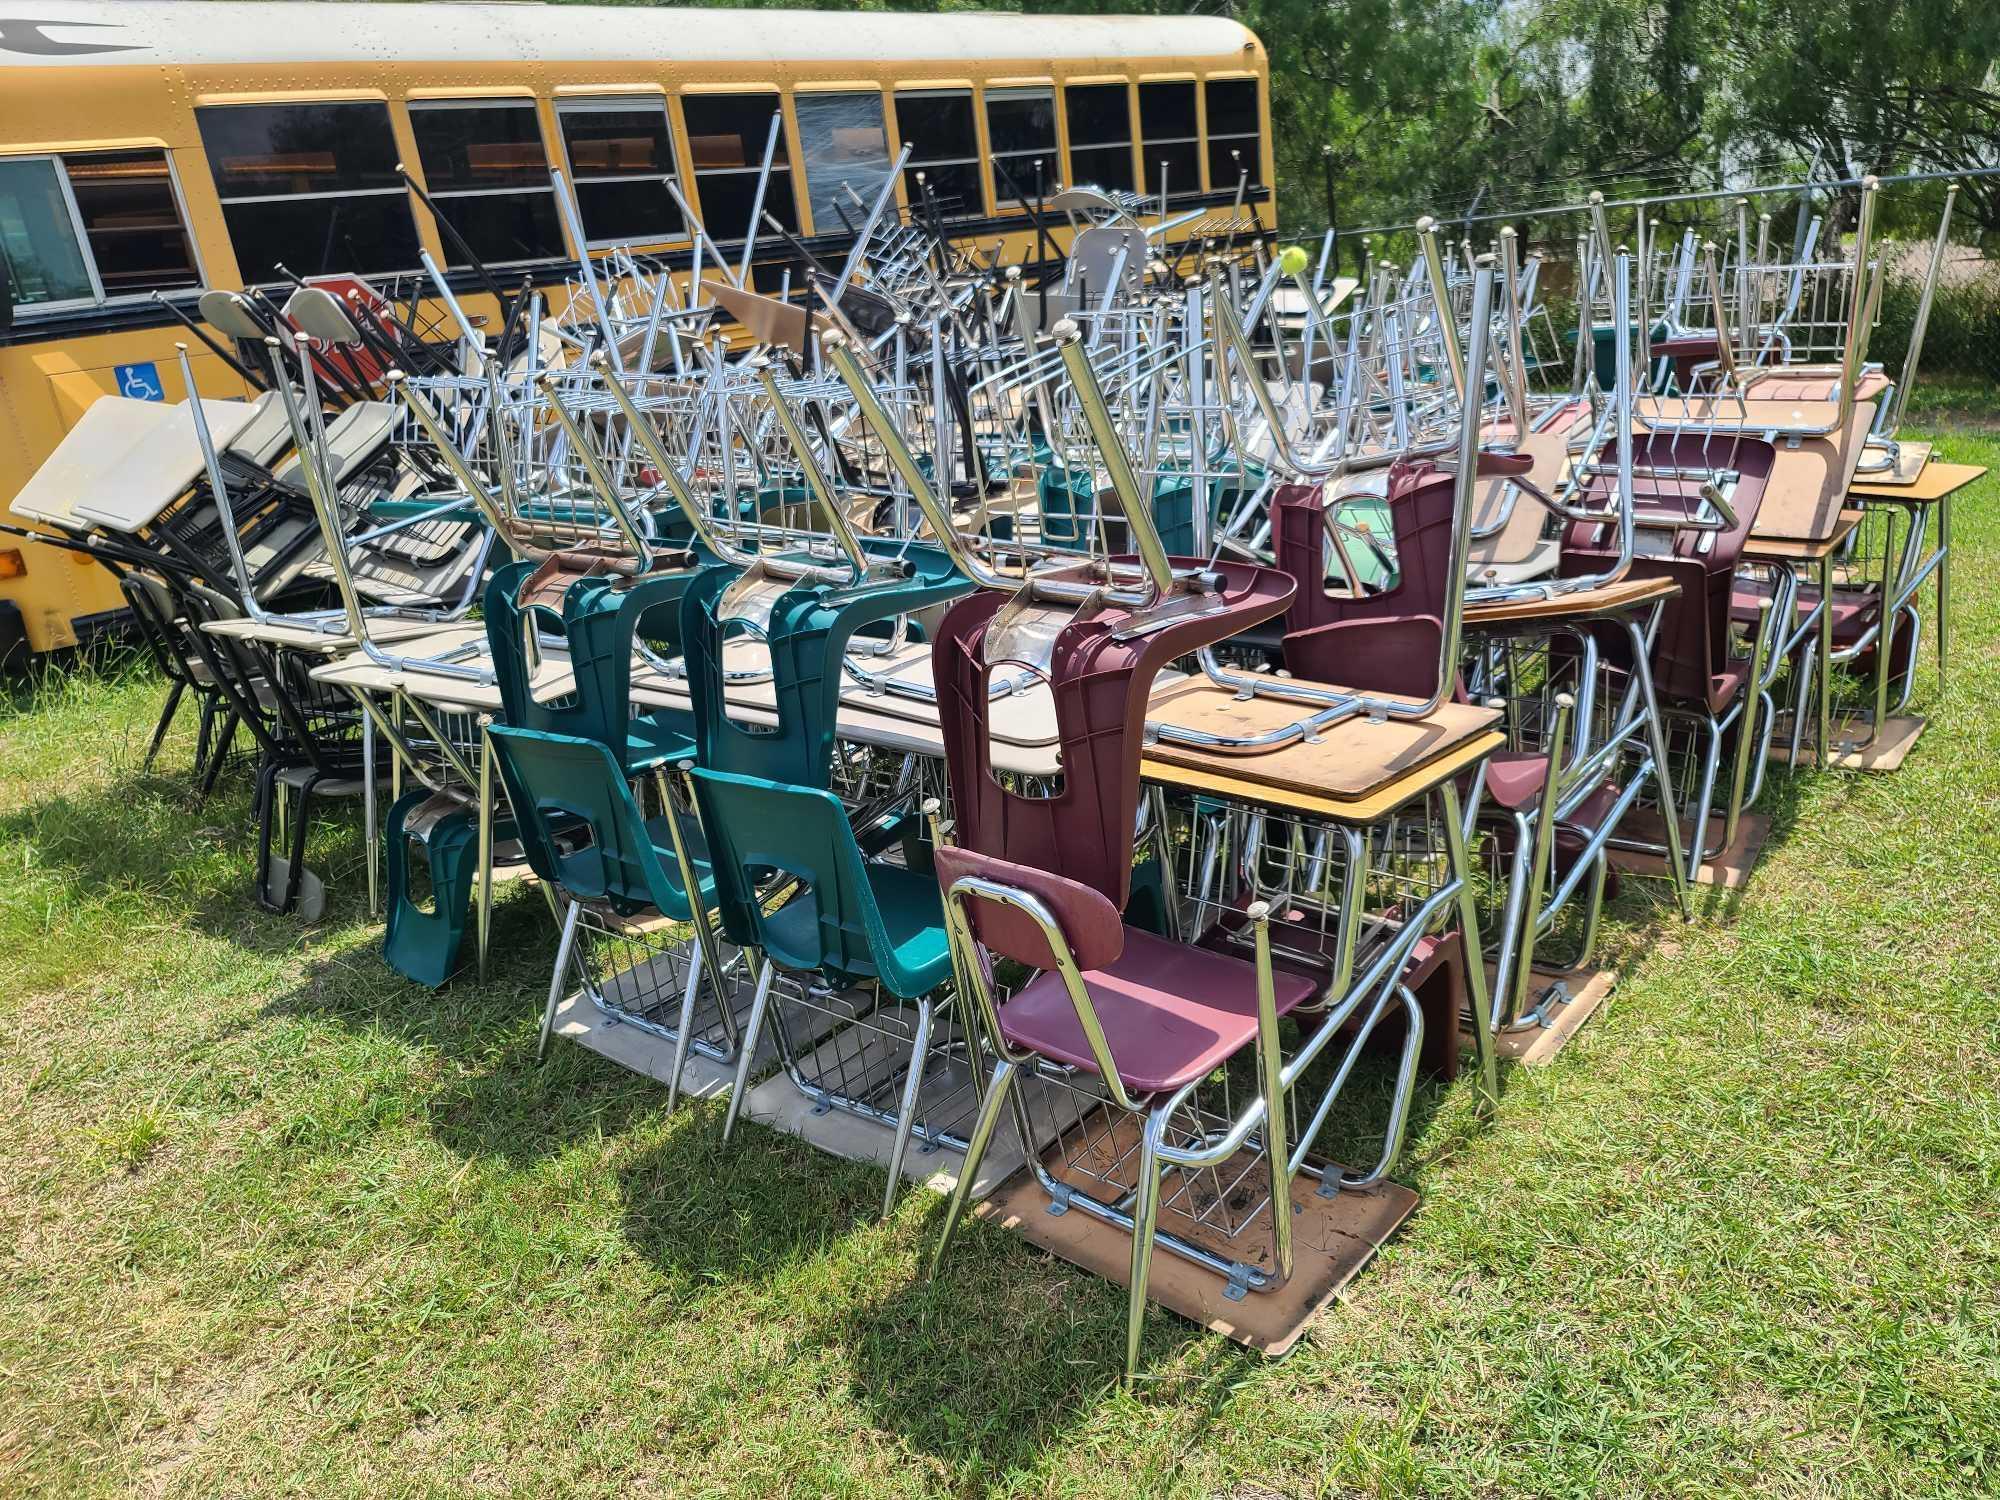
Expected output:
(788, 131)
(501, 97)
(939, 88)
(891, 146)
(25, 312)
(1259, 111)
(1004, 206)
(1199, 140)
(1133, 165)
(607, 101)
(289, 99)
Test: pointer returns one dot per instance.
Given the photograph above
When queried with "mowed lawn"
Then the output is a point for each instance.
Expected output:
(274, 1222)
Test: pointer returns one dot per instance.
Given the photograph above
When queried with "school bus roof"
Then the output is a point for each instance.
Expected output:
(71, 33)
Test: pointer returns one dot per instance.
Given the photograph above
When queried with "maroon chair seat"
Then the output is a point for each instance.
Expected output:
(1686, 350)
(1389, 641)
(1171, 1013)
(1514, 777)
(1514, 782)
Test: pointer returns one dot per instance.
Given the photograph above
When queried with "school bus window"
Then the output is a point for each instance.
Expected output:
(40, 237)
(621, 158)
(132, 221)
(311, 186)
(1100, 135)
(726, 136)
(845, 145)
(1021, 128)
(1232, 133)
(1172, 143)
(938, 127)
(486, 170)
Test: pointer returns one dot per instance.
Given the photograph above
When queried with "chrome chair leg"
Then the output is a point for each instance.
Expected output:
(685, 1029)
(998, 1087)
(1145, 1219)
(906, 1116)
(752, 1033)
(563, 951)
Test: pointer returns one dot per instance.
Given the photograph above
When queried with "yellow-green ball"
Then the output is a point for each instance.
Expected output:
(1292, 260)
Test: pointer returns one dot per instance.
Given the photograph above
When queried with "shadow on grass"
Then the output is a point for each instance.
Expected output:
(996, 1363)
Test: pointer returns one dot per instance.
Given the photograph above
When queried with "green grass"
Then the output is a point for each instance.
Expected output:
(273, 1222)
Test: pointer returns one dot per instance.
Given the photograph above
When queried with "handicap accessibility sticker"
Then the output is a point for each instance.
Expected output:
(140, 382)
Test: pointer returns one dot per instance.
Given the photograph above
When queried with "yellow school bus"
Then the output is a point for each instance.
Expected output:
(148, 150)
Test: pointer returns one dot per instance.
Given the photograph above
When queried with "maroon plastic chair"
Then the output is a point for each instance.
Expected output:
(1697, 672)
(1386, 642)
(1100, 684)
(1148, 1017)
(1694, 661)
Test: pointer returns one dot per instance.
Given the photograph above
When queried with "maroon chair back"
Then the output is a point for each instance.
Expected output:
(1692, 661)
(1100, 685)
(1089, 923)
(1386, 642)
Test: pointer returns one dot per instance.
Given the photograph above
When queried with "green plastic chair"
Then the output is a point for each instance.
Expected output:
(421, 945)
(583, 832)
(851, 918)
(601, 618)
(807, 634)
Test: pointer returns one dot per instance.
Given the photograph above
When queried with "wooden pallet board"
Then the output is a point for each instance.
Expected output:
(1333, 1238)
(1537, 1046)
(1898, 738)
(1729, 869)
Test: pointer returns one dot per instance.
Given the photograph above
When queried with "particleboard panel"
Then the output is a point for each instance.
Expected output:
(1782, 549)
(1729, 869)
(1934, 483)
(1345, 761)
(1850, 752)
(1627, 593)
(1811, 481)
(1910, 461)
(278, 632)
(1368, 809)
(1534, 1046)
(1816, 385)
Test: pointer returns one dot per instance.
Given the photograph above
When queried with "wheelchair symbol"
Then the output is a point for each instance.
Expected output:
(140, 382)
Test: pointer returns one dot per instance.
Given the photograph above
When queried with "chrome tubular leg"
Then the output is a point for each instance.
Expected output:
(1943, 586)
(1510, 919)
(998, 1087)
(1475, 954)
(906, 1115)
(1271, 1083)
(1885, 642)
(1145, 1219)
(1663, 781)
(368, 816)
(485, 841)
(1746, 726)
(1541, 866)
(1804, 698)
(1823, 682)
(1711, 765)
(685, 1029)
(556, 980)
(752, 1033)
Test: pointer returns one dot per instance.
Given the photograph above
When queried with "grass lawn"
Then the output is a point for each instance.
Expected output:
(273, 1221)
